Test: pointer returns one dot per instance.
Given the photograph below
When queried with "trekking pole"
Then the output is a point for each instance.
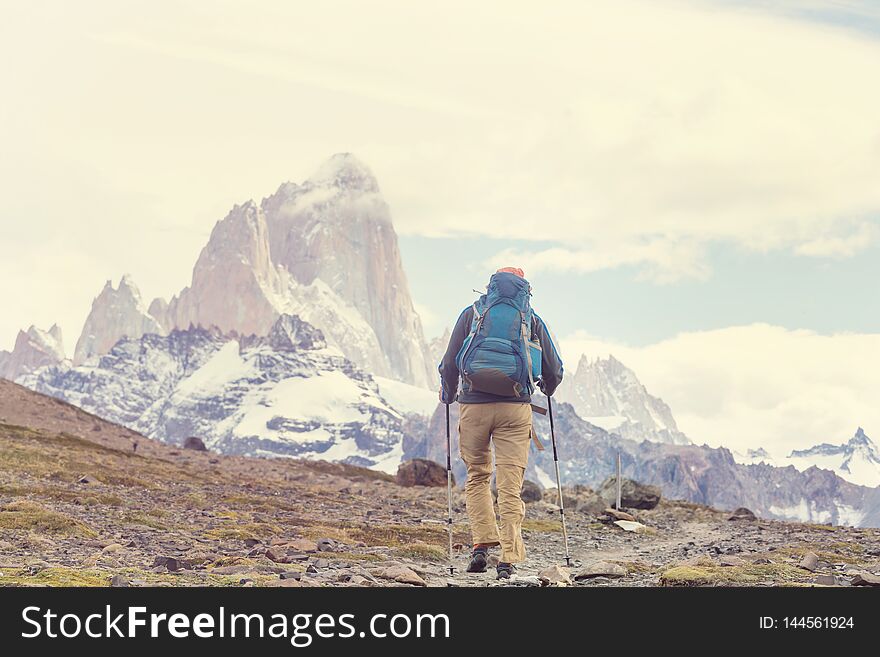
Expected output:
(618, 481)
(449, 491)
(558, 483)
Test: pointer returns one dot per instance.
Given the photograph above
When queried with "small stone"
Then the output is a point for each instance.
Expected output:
(36, 566)
(825, 580)
(730, 560)
(601, 569)
(251, 542)
(169, 563)
(291, 574)
(277, 555)
(86, 480)
(865, 579)
(631, 526)
(303, 544)
(555, 575)
(326, 545)
(311, 570)
(321, 563)
(113, 547)
(618, 515)
(400, 573)
(809, 562)
(119, 581)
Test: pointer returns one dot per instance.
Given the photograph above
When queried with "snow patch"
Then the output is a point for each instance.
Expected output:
(224, 366)
(406, 398)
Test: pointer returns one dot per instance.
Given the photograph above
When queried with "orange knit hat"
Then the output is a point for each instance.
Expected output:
(512, 270)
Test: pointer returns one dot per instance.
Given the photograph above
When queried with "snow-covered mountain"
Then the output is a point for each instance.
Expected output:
(857, 460)
(33, 349)
(699, 473)
(284, 394)
(324, 250)
(754, 456)
(606, 393)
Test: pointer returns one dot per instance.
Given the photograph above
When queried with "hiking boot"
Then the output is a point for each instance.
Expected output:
(505, 570)
(479, 560)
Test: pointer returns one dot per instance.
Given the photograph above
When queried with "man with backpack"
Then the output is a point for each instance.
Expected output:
(499, 351)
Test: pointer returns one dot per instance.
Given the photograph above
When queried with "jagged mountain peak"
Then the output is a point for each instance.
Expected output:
(290, 333)
(116, 313)
(608, 394)
(50, 341)
(33, 349)
(345, 171)
(857, 460)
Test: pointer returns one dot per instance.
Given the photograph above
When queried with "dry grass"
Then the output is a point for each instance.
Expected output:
(25, 515)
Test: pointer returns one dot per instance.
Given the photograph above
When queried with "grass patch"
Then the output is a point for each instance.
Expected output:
(840, 551)
(145, 519)
(267, 503)
(30, 516)
(259, 530)
(715, 575)
(422, 551)
(536, 525)
(55, 577)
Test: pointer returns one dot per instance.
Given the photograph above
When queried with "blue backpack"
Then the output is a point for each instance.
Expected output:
(499, 355)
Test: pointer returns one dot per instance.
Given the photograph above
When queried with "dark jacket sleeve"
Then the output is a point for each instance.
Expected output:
(551, 363)
(448, 369)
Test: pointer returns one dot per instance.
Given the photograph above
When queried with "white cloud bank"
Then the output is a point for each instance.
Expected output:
(758, 385)
(624, 132)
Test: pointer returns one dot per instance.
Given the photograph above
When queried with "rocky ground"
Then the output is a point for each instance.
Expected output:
(79, 505)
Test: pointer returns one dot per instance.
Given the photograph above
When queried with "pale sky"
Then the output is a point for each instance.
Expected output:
(689, 173)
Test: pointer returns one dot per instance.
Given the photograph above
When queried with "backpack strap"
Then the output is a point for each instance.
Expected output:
(526, 334)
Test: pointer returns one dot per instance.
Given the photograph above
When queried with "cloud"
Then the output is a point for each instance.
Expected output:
(660, 260)
(611, 133)
(841, 246)
(757, 385)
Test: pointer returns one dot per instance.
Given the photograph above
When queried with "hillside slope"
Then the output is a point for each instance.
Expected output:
(79, 506)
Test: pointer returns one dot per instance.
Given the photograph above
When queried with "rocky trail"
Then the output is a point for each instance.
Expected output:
(81, 505)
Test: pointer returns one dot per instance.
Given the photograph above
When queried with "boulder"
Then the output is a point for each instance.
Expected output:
(601, 569)
(531, 492)
(633, 495)
(421, 472)
(809, 562)
(742, 513)
(195, 443)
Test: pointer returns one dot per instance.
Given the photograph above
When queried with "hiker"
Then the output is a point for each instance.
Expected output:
(500, 350)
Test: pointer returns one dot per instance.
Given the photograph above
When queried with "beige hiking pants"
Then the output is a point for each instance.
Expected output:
(509, 426)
